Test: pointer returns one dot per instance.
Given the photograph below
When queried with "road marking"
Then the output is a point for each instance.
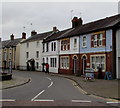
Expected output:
(80, 101)
(37, 95)
(48, 78)
(43, 100)
(112, 102)
(50, 85)
(8, 100)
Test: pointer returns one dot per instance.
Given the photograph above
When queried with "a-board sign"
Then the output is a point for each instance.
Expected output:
(108, 76)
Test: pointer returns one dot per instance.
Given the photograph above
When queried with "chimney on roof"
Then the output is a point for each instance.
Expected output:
(55, 29)
(76, 22)
(33, 33)
(12, 37)
(23, 35)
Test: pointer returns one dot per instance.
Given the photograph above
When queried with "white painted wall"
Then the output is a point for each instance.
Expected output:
(118, 53)
(72, 49)
(52, 54)
(32, 53)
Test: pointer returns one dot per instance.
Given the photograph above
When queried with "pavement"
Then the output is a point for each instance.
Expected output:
(98, 87)
(14, 82)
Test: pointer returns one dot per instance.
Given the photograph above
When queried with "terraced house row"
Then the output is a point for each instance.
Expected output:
(70, 51)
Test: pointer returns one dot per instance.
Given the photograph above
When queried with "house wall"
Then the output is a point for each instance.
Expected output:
(118, 54)
(32, 54)
(89, 63)
(51, 54)
(88, 49)
(70, 70)
(73, 51)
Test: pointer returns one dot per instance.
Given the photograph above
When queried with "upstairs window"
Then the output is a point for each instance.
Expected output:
(52, 46)
(43, 47)
(37, 54)
(75, 43)
(47, 47)
(65, 44)
(84, 41)
(98, 40)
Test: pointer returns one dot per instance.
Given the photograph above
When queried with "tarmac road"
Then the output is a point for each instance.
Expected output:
(47, 90)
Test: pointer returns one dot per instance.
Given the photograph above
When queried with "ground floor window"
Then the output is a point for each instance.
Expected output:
(53, 62)
(64, 62)
(37, 65)
(98, 61)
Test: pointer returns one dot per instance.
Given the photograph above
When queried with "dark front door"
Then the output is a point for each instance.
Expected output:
(74, 65)
(83, 64)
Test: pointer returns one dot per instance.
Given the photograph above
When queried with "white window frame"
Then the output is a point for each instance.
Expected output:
(100, 39)
(95, 40)
(75, 42)
(47, 47)
(98, 63)
(37, 54)
(84, 42)
(64, 62)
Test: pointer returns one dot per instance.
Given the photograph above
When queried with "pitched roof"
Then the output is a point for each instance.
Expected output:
(106, 23)
(56, 35)
(10, 43)
(40, 36)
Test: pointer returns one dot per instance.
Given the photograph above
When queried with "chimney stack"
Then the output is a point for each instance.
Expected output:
(23, 35)
(33, 33)
(55, 29)
(12, 37)
(76, 22)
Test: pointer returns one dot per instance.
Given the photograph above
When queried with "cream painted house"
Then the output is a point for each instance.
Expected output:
(31, 51)
(9, 52)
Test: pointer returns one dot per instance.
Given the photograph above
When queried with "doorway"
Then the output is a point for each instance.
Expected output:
(83, 64)
(74, 65)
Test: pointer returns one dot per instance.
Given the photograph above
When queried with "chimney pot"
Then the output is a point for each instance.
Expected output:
(33, 33)
(12, 37)
(76, 22)
(23, 35)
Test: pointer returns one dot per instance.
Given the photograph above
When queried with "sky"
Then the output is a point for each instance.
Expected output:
(17, 17)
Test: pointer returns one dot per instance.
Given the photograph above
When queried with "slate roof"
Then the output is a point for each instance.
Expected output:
(10, 43)
(40, 36)
(56, 35)
(102, 24)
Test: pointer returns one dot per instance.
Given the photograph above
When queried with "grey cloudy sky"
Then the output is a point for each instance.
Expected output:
(45, 15)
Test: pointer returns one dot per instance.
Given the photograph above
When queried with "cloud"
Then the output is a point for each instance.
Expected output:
(44, 16)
